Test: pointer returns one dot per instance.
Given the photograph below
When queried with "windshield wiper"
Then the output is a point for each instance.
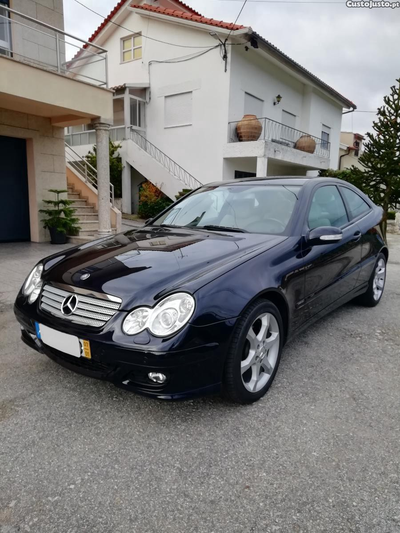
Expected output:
(212, 227)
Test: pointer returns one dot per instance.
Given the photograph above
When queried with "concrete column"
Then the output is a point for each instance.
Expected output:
(126, 188)
(262, 164)
(103, 177)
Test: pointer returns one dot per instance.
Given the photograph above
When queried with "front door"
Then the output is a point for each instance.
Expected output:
(14, 212)
(331, 269)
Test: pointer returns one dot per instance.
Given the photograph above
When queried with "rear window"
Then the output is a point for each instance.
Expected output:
(357, 205)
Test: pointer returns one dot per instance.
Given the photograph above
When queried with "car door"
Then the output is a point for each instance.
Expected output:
(331, 269)
(361, 212)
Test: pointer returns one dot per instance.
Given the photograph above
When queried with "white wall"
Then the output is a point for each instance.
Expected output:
(198, 147)
(218, 97)
(265, 80)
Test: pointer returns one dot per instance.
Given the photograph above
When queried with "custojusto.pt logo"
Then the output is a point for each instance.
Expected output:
(372, 4)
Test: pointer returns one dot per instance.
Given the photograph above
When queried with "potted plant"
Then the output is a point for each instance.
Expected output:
(60, 219)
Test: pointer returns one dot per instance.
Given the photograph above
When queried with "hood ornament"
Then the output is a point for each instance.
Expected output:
(85, 276)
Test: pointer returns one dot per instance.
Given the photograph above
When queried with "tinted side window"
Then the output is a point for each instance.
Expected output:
(327, 208)
(357, 205)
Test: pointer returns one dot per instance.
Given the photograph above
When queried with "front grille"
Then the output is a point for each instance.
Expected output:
(90, 310)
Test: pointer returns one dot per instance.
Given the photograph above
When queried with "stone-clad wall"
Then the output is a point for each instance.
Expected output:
(45, 157)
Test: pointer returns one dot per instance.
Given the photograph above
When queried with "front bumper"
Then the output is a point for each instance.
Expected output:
(193, 366)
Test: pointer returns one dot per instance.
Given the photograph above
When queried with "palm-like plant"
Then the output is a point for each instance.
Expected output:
(60, 214)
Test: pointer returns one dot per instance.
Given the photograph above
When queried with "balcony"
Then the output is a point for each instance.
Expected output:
(41, 72)
(280, 142)
(30, 41)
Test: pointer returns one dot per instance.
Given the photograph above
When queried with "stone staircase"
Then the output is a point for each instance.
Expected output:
(88, 217)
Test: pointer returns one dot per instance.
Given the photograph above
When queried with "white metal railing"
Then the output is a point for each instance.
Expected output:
(118, 133)
(279, 133)
(169, 164)
(82, 138)
(84, 169)
(31, 41)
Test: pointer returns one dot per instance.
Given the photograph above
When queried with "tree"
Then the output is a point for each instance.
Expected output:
(381, 158)
(115, 166)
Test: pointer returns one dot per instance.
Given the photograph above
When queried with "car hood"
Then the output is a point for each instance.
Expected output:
(140, 266)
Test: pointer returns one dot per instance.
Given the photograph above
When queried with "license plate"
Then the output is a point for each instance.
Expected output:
(63, 342)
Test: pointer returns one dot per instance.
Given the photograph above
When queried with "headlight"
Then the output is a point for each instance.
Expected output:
(33, 284)
(167, 317)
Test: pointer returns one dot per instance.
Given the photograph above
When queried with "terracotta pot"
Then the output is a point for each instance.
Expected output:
(249, 128)
(306, 144)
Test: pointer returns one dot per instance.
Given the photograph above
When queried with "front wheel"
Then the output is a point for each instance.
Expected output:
(254, 354)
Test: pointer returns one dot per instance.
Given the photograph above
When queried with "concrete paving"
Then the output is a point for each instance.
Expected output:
(320, 453)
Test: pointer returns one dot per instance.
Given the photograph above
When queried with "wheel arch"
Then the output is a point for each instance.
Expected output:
(279, 300)
(385, 252)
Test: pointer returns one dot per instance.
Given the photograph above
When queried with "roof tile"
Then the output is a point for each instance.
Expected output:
(188, 16)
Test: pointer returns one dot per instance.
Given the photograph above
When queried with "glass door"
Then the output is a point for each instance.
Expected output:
(5, 36)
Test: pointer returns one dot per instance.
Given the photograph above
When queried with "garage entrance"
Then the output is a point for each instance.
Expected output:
(14, 212)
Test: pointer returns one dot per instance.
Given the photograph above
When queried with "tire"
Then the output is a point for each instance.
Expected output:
(255, 350)
(376, 284)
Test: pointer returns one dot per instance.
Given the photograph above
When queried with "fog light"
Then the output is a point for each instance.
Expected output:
(157, 377)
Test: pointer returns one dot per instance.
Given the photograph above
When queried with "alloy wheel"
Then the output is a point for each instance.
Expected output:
(260, 353)
(378, 283)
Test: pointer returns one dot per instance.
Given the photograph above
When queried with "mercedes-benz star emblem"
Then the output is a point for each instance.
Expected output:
(85, 276)
(69, 304)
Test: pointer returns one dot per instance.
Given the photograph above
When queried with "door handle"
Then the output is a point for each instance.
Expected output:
(357, 236)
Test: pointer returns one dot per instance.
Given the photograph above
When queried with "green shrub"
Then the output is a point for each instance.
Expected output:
(151, 201)
(391, 215)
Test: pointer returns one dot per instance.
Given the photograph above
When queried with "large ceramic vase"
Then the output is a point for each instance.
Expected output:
(306, 144)
(249, 128)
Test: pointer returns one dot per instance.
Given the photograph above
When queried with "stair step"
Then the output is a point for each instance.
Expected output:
(74, 196)
(87, 225)
(79, 203)
(91, 217)
(85, 210)
(88, 233)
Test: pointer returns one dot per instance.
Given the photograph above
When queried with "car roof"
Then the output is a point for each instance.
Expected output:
(276, 180)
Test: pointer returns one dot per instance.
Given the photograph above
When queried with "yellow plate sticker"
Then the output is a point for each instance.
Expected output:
(86, 349)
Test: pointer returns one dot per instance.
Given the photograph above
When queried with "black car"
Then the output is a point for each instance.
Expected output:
(204, 296)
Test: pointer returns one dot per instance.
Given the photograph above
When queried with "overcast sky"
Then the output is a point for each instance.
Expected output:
(356, 51)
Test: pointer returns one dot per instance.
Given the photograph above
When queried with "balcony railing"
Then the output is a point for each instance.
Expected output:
(81, 138)
(28, 40)
(283, 135)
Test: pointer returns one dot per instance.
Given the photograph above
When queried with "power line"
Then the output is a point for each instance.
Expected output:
(237, 18)
(132, 31)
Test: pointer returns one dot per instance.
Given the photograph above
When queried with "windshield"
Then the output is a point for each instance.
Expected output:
(249, 208)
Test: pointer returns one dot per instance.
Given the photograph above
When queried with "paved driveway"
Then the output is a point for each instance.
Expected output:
(320, 453)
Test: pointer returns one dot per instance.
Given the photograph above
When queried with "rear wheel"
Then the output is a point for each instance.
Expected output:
(254, 354)
(376, 284)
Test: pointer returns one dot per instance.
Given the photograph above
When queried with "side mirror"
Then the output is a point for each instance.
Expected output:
(324, 235)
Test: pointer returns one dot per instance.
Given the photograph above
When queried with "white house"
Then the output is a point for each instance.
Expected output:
(182, 82)
(350, 149)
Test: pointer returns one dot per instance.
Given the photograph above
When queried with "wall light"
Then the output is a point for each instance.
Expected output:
(278, 99)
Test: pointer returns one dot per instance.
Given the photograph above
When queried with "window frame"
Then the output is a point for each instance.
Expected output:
(325, 142)
(132, 48)
(183, 124)
(313, 192)
(347, 205)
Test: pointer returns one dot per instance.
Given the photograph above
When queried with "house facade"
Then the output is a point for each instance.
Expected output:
(350, 149)
(39, 97)
(183, 83)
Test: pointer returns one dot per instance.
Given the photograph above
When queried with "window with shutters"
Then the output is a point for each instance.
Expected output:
(253, 105)
(131, 48)
(178, 110)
